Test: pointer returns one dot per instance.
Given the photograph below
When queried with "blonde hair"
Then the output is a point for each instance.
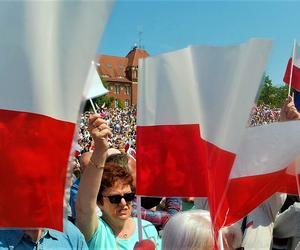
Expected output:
(189, 230)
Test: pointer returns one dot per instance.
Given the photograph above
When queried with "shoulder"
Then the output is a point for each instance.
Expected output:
(103, 237)
(145, 223)
(70, 229)
(10, 237)
(148, 227)
(104, 230)
(71, 235)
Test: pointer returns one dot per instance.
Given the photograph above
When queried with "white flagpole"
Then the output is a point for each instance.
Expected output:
(297, 162)
(93, 106)
(220, 239)
(292, 65)
(139, 216)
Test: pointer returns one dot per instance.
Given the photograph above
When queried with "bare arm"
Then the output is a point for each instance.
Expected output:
(90, 181)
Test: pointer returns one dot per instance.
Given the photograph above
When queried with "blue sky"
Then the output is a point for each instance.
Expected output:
(171, 25)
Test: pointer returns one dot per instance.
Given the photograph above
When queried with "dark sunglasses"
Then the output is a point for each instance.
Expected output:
(116, 199)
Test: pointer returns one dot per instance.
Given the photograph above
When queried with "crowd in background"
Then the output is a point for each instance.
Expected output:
(263, 114)
(122, 121)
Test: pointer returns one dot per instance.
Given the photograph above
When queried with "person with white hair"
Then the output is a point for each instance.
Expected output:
(188, 230)
(193, 230)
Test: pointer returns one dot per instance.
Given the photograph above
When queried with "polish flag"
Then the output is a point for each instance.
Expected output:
(46, 49)
(193, 107)
(295, 81)
(267, 162)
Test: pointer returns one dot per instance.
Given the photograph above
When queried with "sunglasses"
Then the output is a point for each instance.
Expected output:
(116, 199)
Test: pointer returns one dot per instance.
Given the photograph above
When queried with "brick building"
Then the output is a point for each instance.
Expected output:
(121, 75)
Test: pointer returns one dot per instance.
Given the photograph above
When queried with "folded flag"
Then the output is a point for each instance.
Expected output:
(46, 53)
(193, 107)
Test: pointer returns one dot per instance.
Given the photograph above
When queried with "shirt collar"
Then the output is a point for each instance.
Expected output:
(53, 234)
(46, 233)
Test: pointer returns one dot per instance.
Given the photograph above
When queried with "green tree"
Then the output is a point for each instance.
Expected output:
(121, 104)
(272, 95)
(108, 100)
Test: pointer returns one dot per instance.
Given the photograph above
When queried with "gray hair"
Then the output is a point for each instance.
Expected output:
(188, 230)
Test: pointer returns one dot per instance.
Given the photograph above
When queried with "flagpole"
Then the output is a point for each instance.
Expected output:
(139, 216)
(220, 239)
(93, 106)
(297, 162)
(292, 65)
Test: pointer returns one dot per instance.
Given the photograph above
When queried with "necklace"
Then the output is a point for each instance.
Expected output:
(125, 235)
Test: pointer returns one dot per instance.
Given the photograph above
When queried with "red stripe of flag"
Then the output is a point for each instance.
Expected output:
(295, 82)
(179, 154)
(37, 150)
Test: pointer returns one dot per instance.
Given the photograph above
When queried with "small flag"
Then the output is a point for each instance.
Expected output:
(94, 86)
(295, 80)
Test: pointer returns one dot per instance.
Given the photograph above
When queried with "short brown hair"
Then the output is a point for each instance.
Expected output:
(119, 159)
(112, 173)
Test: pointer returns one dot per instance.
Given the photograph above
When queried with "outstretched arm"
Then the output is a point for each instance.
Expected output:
(90, 181)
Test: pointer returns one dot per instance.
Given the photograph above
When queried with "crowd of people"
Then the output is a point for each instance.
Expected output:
(122, 122)
(104, 209)
(263, 114)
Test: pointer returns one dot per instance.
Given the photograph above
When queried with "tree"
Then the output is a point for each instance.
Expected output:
(108, 100)
(121, 104)
(272, 95)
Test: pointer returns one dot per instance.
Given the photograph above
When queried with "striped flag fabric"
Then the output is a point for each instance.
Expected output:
(46, 49)
(188, 134)
(267, 162)
(295, 81)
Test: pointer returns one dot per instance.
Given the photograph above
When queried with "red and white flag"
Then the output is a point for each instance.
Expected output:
(267, 162)
(295, 81)
(193, 107)
(46, 49)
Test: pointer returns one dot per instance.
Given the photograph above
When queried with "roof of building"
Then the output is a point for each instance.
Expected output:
(134, 55)
(114, 67)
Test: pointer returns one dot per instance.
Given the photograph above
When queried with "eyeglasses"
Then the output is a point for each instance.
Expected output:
(116, 199)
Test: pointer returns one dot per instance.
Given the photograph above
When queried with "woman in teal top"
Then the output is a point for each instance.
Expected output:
(104, 231)
(110, 186)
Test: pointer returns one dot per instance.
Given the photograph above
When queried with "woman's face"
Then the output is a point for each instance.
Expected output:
(121, 210)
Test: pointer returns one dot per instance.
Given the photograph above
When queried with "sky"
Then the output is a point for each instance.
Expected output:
(164, 26)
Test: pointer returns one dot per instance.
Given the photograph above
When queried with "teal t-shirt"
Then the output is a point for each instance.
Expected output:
(105, 239)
